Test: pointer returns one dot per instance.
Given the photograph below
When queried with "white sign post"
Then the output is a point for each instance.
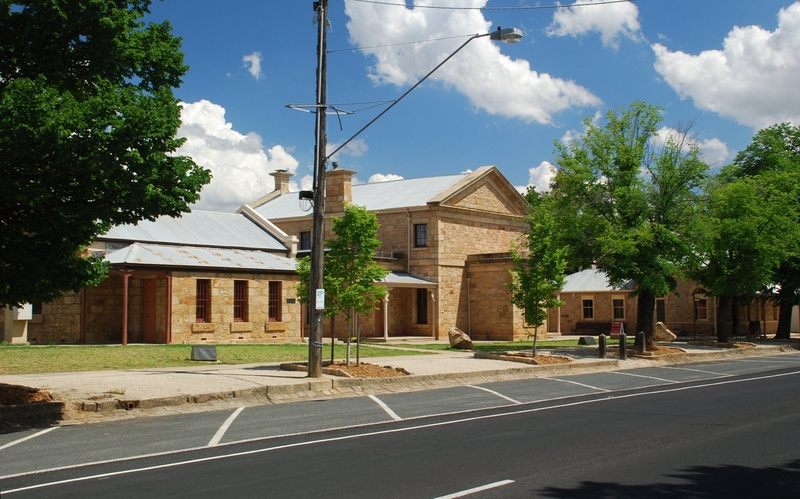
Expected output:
(320, 299)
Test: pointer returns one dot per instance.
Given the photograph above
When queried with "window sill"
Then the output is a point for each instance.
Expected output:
(204, 327)
(239, 327)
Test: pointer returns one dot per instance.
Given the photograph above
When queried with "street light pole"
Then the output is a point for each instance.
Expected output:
(508, 35)
(318, 229)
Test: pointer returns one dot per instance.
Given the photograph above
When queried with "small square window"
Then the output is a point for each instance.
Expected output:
(274, 301)
(305, 240)
(203, 300)
(588, 309)
(618, 304)
(240, 301)
(420, 235)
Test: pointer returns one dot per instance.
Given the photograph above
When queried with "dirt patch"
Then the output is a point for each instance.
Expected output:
(739, 344)
(367, 370)
(19, 395)
(527, 357)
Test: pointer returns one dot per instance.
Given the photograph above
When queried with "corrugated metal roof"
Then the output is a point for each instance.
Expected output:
(198, 228)
(162, 255)
(406, 193)
(403, 280)
(591, 280)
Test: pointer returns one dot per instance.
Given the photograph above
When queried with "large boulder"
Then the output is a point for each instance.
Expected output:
(459, 339)
(662, 333)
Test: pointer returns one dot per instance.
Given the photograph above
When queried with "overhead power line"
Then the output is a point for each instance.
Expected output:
(519, 7)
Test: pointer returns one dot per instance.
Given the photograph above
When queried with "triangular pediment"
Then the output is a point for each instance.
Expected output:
(487, 190)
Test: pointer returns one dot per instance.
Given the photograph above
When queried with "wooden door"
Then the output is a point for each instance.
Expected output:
(150, 334)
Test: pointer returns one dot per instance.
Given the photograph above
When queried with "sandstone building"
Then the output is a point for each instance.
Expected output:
(202, 278)
(445, 239)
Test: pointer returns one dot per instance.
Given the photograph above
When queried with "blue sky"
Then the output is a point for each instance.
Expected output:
(730, 67)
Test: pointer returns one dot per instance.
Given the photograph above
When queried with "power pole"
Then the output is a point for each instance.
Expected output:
(318, 229)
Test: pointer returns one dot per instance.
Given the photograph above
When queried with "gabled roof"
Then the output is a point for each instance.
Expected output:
(198, 228)
(591, 280)
(445, 190)
(163, 255)
(406, 193)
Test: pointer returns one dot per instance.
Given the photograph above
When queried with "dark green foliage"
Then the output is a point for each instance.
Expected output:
(87, 135)
(751, 236)
(539, 264)
(629, 206)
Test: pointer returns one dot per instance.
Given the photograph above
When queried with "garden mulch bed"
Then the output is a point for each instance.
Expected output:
(339, 368)
(526, 357)
(19, 395)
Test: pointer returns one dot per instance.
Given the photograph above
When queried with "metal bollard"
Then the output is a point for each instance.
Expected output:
(642, 346)
(623, 346)
(602, 341)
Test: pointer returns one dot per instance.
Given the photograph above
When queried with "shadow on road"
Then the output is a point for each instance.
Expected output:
(699, 482)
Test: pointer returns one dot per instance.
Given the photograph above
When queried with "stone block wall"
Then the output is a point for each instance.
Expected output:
(222, 328)
(59, 322)
(572, 311)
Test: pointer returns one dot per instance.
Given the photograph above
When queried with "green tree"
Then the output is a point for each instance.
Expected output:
(87, 135)
(628, 205)
(744, 237)
(350, 272)
(776, 150)
(539, 264)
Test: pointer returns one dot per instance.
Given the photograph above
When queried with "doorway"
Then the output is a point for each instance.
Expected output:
(150, 297)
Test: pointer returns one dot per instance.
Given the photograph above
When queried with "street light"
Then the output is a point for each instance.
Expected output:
(316, 298)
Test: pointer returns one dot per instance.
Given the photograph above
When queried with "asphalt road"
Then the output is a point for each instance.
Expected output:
(724, 429)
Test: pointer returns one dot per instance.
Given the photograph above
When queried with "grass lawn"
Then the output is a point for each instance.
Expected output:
(493, 346)
(71, 358)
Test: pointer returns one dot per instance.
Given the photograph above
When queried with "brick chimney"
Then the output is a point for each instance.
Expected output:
(338, 189)
(281, 180)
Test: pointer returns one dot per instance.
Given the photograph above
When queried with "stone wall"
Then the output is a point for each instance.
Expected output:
(59, 322)
(492, 316)
(222, 328)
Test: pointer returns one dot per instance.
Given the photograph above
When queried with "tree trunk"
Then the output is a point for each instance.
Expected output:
(722, 319)
(734, 317)
(786, 301)
(646, 318)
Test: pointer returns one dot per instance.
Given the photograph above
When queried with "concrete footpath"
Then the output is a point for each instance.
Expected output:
(103, 395)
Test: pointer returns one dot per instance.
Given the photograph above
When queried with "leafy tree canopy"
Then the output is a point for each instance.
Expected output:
(87, 134)
(539, 264)
(755, 219)
(628, 204)
(350, 271)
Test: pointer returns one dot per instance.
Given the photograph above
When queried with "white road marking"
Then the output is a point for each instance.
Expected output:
(476, 489)
(222, 429)
(352, 437)
(37, 434)
(495, 393)
(696, 370)
(770, 361)
(579, 384)
(647, 377)
(385, 407)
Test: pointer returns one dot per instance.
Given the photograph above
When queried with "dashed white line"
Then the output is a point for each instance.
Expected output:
(647, 377)
(222, 429)
(476, 489)
(579, 384)
(381, 432)
(37, 434)
(696, 370)
(495, 393)
(386, 408)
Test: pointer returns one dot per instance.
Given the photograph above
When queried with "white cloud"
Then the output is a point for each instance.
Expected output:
(540, 177)
(379, 177)
(253, 64)
(480, 72)
(239, 164)
(356, 147)
(753, 79)
(714, 151)
(610, 20)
